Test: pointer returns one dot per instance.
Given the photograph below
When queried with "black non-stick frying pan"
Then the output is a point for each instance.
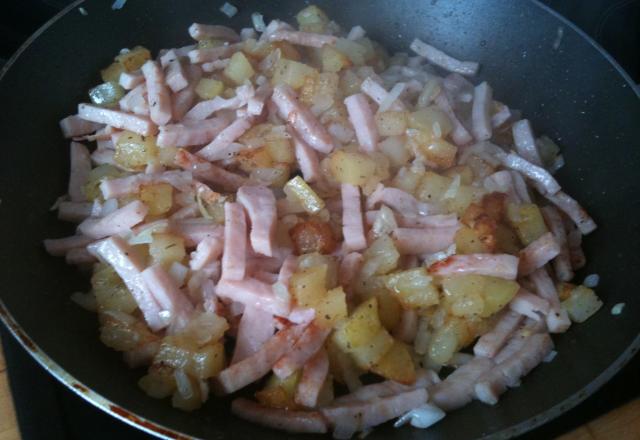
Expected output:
(567, 85)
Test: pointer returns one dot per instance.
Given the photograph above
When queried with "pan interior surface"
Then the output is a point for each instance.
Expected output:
(571, 93)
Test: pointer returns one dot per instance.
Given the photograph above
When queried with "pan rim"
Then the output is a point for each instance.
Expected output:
(161, 431)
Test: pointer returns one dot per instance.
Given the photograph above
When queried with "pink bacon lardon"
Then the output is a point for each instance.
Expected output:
(301, 119)
(255, 293)
(309, 343)
(176, 75)
(348, 419)
(207, 251)
(441, 59)
(117, 119)
(460, 134)
(557, 319)
(236, 129)
(379, 95)
(352, 220)
(303, 38)
(363, 122)
(119, 221)
(528, 304)
(495, 265)
(256, 327)
(457, 389)
(260, 204)
(136, 101)
(190, 133)
(538, 253)
(235, 242)
(525, 142)
(157, 92)
(168, 296)
(562, 263)
(419, 241)
(307, 159)
(257, 365)
(297, 422)
(314, 374)
(74, 126)
(208, 172)
(80, 169)
(398, 200)
(481, 112)
(128, 266)
(491, 342)
(182, 101)
(573, 209)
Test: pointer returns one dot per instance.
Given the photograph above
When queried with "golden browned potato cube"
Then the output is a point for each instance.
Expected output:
(432, 187)
(389, 309)
(279, 393)
(312, 19)
(396, 365)
(332, 308)
(367, 355)
(167, 249)
(506, 240)
(239, 69)
(391, 123)
(439, 152)
(134, 59)
(527, 221)
(360, 327)
(432, 121)
(308, 286)
(413, 288)
(252, 159)
(159, 382)
(135, 152)
(380, 258)
(468, 241)
(333, 60)
(112, 72)
(464, 171)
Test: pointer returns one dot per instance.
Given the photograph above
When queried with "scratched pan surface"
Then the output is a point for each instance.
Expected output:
(573, 93)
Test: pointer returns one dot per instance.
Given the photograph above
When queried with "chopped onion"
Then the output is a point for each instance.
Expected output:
(183, 384)
(258, 22)
(118, 4)
(178, 272)
(617, 309)
(391, 97)
(385, 222)
(423, 416)
(145, 234)
(551, 356)
(85, 300)
(591, 281)
(83, 11)
(228, 9)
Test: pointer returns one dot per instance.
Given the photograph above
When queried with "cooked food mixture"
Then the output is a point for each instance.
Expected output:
(355, 236)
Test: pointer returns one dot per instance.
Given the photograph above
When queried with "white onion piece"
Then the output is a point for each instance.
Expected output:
(422, 417)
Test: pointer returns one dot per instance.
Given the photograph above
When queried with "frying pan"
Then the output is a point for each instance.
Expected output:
(573, 92)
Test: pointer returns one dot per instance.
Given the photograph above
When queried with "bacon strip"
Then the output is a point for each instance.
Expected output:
(457, 389)
(260, 204)
(226, 137)
(168, 296)
(352, 221)
(208, 172)
(200, 32)
(301, 119)
(235, 242)
(307, 345)
(297, 422)
(379, 95)
(74, 126)
(491, 342)
(547, 184)
(314, 374)
(573, 209)
(363, 122)
(538, 253)
(307, 159)
(303, 38)
(253, 292)
(441, 59)
(135, 101)
(495, 265)
(117, 222)
(528, 304)
(562, 263)
(481, 112)
(117, 119)
(128, 266)
(256, 327)
(525, 142)
(254, 367)
(80, 169)
(157, 92)
(413, 241)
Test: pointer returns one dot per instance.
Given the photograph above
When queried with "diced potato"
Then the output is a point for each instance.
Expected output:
(299, 190)
(463, 198)
(506, 240)
(91, 189)
(112, 72)
(396, 365)
(413, 288)
(320, 92)
(333, 60)
(447, 340)
(527, 221)
(281, 150)
(257, 50)
(432, 187)
(134, 59)
(292, 73)
(380, 258)
(106, 94)
(468, 241)
(391, 123)
(159, 382)
(429, 93)
(332, 308)
(394, 148)
(564, 290)
(158, 197)
(312, 19)
(239, 68)
(279, 393)
(439, 152)
(122, 331)
(166, 155)
(351, 167)
(209, 88)
(407, 180)
(357, 52)
(166, 249)
(350, 83)
(432, 121)
(308, 286)
(253, 158)
(205, 327)
(367, 355)
(110, 291)
(287, 50)
(389, 309)
(477, 295)
(275, 176)
(464, 171)
(200, 362)
(135, 152)
(360, 327)
(341, 365)
(312, 236)
(581, 304)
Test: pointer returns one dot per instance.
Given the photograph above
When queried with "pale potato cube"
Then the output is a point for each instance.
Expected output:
(391, 123)
(239, 69)
(581, 304)
(432, 187)
(166, 249)
(112, 72)
(332, 308)
(477, 295)
(253, 158)
(360, 327)
(351, 167)
(209, 88)
(281, 150)
(527, 221)
(292, 73)
(110, 291)
(447, 340)
(468, 241)
(463, 198)
(394, 148)
(407, 180)
(308, 286)
(380, 258)
(367, 355)
(333, 60)
(389, 309)
(91, 189)
(464, 171)
(135, 152)
(299, 190)
(158, 197)
(159, 382)
(413, 288)
(396, 364)
(431, 120)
